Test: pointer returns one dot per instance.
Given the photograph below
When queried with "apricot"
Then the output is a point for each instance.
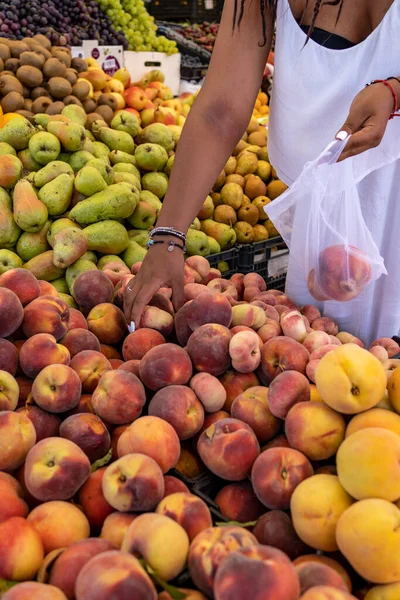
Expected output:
(390, 591)
(50, 518)
(119, 397)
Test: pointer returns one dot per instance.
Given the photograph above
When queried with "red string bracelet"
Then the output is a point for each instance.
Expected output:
(395, 112)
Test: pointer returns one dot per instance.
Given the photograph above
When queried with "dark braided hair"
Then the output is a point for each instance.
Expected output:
(271, 4)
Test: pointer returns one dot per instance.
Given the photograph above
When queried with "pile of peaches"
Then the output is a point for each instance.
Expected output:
(105, 436)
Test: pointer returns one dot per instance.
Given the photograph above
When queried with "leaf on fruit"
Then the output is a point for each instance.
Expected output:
(6, 585)
(237, 524)
(172, 590)
(102, 462)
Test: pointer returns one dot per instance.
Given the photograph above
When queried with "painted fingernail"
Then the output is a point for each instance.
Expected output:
(342, 135)
(131, 327)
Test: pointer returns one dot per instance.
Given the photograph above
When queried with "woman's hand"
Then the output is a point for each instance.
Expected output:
(159, 268)
(368, 117)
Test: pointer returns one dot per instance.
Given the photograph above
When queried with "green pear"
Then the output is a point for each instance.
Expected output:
(215, 248)
(44, 147)
(69, 244)
(157, 133)
(30, 245)
(157, 183)
(7, 149)
(101, 151)
(57, 194)
(10, 170)
(151, 199)
(9, 260)
(79, 159)
(117, 156)
(140, 236)
(197, 243)
(30, 176)
(107, 237)
(51, 171)
(28, 162)
(64, 156)
(118, 201)
(196, 224)
(90, 255)
(224, 234)
(104, 260)
(17, 133)
(97, 126)
(127, 122)
(127, 168)
(169, 165)
(88, 145)
(71, 135)
(132, 180)
(79, 266)
(75, 113)
(151, 157)
(105, 170)
(57, 226)
(30, 214)
(143, 217)
(134, 253)
(89, 136)
(117, 140)
(69, 300)
(41, 119)
(88, 181)
(42, 267)
(61, 285)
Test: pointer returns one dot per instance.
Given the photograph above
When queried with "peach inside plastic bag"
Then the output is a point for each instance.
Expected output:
(320, 219)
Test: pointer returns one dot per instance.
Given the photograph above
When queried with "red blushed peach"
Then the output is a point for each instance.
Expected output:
(79, 339)
(192, 290)
(236, 383)
(25, 386)
(173, 485)
(133, 483)
(107, 322)
(31, 590)
(116, 363)
(22, 282)
(390, 345)
(238, 502)
(50, 519)
(189, 595)
(199, 264)
(55, 469)
(8, 356)
(115, 435)
(116, 575)
(21, 549)
(189, 464)
(9, 391)
(324, 592)
(293, 326)
(275, 529)
(182, 329)
(131, 366)
(270, 330)
(119, 290)
(325, 324)
(209, 309)
(89, 433)
(138, 343)
(17, 437)
(240, 328)
(119, 397)
(248, 315)
(315, 429)
(12, 502)
(165, 365)
(45, 424)
(157, 319)
(330, 562)
(208, 347)
(348, 338)
(237, 281)
(209, 391)
(40, 351)
(92, 501)
(210, 419)
(314, 574)
(252, 407)
(179, 406)
(46, 289)
(57, 388)
(380, 353)
(220, 286)
(267, 298)
(46, 314)
(76, 320)
(275, 475)
(110, 352)
(210, 549)
(84, 405)
(115, 527)
(310, 312)
(336, 342)
(254, 280)
(286, 390)
(11, 312)
(244, 350)
(344, 271)
(282, 354)
(153, 437)
(259, 571)
(65, 570)
(136, 268)
(189, 275)
(91, 288)
(229, 448)
(280, 441)
(90, 366)
(189, 511)
(115, 271)
(315, 340)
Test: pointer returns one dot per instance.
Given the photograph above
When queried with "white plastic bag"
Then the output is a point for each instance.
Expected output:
(320, 219)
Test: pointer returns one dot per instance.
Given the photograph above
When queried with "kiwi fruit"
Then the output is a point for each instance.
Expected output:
(59, 87)
(32, 59)
(106, 113)
(63, 54)
(79, 64)
(42, 40)
(40, 105)
(30, 76)
(55, 108)
(72, 100)
(12, 102)
(5, 53)
(26, 92)
(17, 48)
(28, 104)
(108, 100)
(81, 90)
(12, 64)
(25, 113)
(41, 51)
(94, 116)
(72, 76)
(39, 91)
(9, 83)
(54, 67)
(89, 105)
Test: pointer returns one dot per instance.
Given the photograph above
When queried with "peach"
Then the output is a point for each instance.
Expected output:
(325, 324)
(199, 264)
(92, 501)
(282, 354)
(241, 328)
(174, 485)
(89, 433)
(45, 423)
(348, 338)
(252, 407)
(46, 314)
(209, 390)
(244, 350)
(280, 441)
(229, 448)
(344, 271)
(90, 366)
(209, 309)
(115, 527)
(248, 315)
(189, 595)
(84, 405)
(116, 575)
(40, 351)
(394, 387)
(179, 406)
(131, 366)
(235, 384)
(330, 562)
(157, 319)
(182, 329)
(115, 271)
(116, 363)
(269, 330)
(192, 290)
(189, 511)
(323, 592)
(345, 369)
(210, 549)
(91, 288)
(390, 345)
(17, 437)
(315, 340)
(380, 353)
(254, 280)
(67, 566)
(237, 281)
(8, 357)
(311, 312)
(9, 391)
(12, 501)
(238, 502)
(153, 437)
(46, 289)
(21, 549)
(314, 574)
(293, 326)
(384, 592)
(110, 352)
(11, 312)
(275, 528)
(31, 590)
(76, 320)
(22, 282)
(316, 507)
(267, 298)
(315, 429)
(375, 417)
(221, 286)
(258, 571)
(57, 388)
(55, 469)
(165, 365)
(138, 343)
(49, 520)
(286, 390)
(79, 339)
(208, 347)
(119, 397)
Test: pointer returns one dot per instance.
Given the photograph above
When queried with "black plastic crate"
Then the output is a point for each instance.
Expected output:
(229, 256)
(268, 259)
(193, 73)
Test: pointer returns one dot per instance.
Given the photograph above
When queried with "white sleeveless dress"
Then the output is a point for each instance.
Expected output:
(314, 87)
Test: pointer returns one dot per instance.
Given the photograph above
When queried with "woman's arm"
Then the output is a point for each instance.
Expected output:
(215, 124)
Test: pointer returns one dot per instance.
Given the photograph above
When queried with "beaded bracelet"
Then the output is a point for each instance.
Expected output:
(171, 245)
(168, 231)
(395, 111)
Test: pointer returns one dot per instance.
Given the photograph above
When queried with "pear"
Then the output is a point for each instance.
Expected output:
(157, 183)
(9, 230)
(90, 255)
(69, 244)
(143, 217)
(88, 145)
(7, 149)
(44, 147)
(127, 122)
(127, 168)
(158, 133)
(57, 194)
(117, 156)
(150, 198)
(41, 119)
(30, 214)
(215, 248)
(57, 226)
(224, 234)
(107, 237)
(28, 162)
(88, 181)
(207, 210)
(71, 135)
(117, 140)
(247, 163)
(9, 260)
(118, 201)
(50, 172)
(140, 236)
(10, 170)
(30, 245)
(68, 299)
(17, 133)
(197, 243)
(105, 170)
(61, 285)
(101, 151)
(169, 165)
(89, 137)
(104, 260)
(42, 267)
(196, 224)
(79, 266)
(134, 253)
(128, 178)
(151, 157)
(75, 113)
(79, 159)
